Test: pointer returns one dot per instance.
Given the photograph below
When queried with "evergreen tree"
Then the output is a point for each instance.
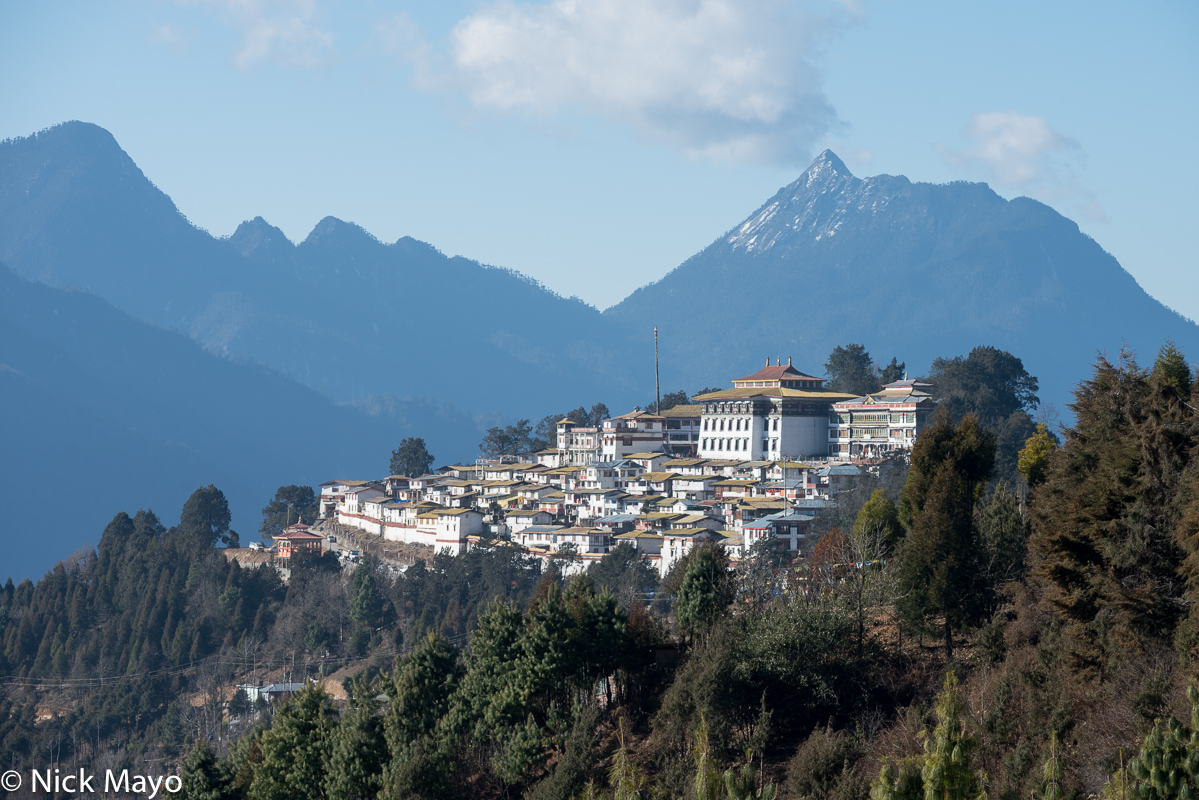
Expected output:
(419, 691)
(290, 504)
(672, 399)
(1110, 521)
(940, 569)
(994, 386)
(892, 372)
(945, 771)
(508, 440)
(412, 458)
(1173, 369)
(850, 370)
(625, 777)
(366, 599)
(358, 752)
(878, 517)
(204, 777)
(295, 750)
(206, 516)
(551, 649)
(1003, 533)
(706, 591)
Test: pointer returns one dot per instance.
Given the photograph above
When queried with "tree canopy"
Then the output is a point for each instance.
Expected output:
(206, 516)
(412, 458)
(289, 505)
(850, 369)
(940, 565)
(994, 386)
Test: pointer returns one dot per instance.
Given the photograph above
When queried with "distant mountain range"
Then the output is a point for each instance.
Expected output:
(341, 312)
(116, 411)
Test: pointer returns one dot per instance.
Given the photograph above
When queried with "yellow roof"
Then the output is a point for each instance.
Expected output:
(762, 502)
(774, 391)
(659, 476)
(684, 532)
(683, 411)
(639, 535)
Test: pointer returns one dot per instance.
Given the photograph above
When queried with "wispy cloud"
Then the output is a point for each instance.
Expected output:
(1022, 152)
(729, 79)
(169, 35)
(287, 31)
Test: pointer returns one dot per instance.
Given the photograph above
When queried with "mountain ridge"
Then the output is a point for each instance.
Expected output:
(326, 310)
(912, 270)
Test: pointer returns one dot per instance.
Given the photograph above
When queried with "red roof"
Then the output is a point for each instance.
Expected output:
(292, 534)
(784, 372)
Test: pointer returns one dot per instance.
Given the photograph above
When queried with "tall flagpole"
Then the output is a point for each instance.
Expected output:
(657, 386)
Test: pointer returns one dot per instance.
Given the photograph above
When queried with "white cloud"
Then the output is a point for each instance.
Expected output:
(1021, 152)
(279, 30)
(1014, 148)
(730, 79)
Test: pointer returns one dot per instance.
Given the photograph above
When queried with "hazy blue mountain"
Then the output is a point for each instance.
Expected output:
(103, 413)
(912, 270)
(341, 312)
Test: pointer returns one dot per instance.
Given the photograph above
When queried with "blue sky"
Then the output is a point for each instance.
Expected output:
(596, 144)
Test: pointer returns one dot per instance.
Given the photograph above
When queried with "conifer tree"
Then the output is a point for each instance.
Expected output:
(706, 591)
(939, 565)
(366, 600)
(625, 777)
(419, 691)
(359, 750)
(707, 779)
(1110, 521)
(1171, 365)
(295, 750)
(204, 777)
(945, 771)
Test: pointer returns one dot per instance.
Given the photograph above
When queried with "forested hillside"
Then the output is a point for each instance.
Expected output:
(947, 633)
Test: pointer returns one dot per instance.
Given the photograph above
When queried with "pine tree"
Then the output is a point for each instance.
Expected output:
(358, 752)
(945, 770)
(295, 750)
(419, 691)
(707, 774)
(366, 601)
(626, 778)
(940, 568)
(204, 777)
(706, 591)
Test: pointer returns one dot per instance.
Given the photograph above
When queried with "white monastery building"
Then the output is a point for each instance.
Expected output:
(776, 412)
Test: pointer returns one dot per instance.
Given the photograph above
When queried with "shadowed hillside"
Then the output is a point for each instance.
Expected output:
(103, 413)
(341, 312)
